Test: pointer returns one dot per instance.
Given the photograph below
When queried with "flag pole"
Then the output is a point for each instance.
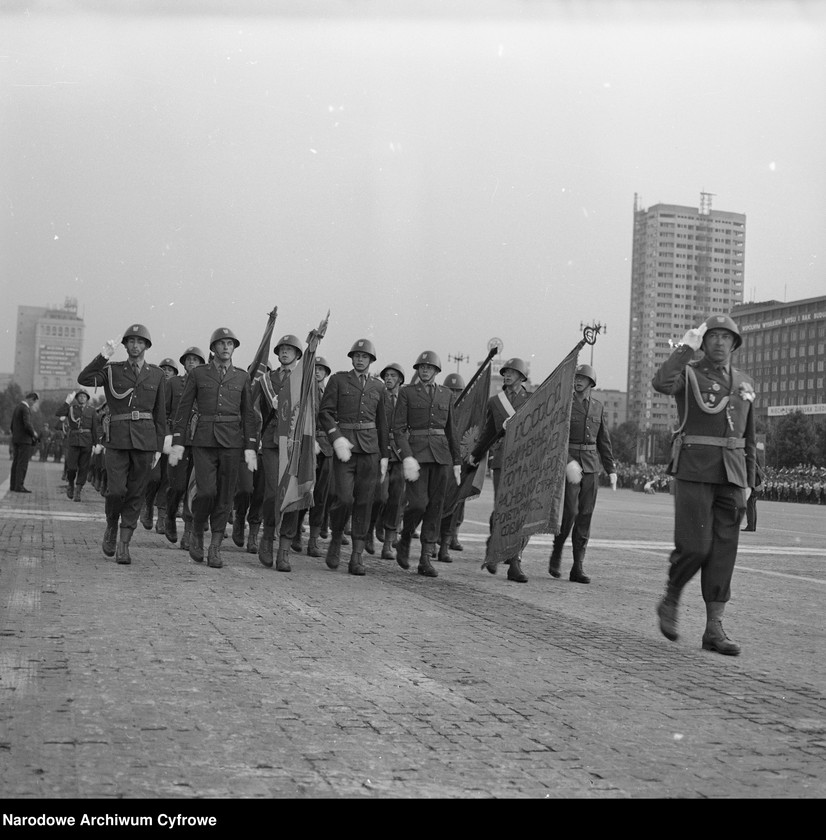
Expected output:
(491, 353)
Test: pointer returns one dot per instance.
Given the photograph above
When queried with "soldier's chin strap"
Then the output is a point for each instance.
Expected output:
(115, 394)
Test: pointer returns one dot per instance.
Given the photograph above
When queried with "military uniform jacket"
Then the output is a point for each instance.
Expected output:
(320, 435)
(82, 423)
(269, 432)
(588, 438)
(424, 425)
(494, 426)
(390, 410)
(717, 411)
(226, 417)
(355, 412)
(137, 406)
(22, 429)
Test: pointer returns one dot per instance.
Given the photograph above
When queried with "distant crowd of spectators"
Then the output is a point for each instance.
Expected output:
(802, 484)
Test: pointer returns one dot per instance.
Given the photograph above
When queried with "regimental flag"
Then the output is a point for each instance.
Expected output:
(469, 413)
(535, 452)
(296, 431)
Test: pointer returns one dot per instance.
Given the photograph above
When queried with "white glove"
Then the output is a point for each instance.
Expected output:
(749, 491)
(175, 455)
(342, 448)
(155, 458)
(573, 472)
(108, 349)
(97, 448)
(457, 472)
(694, 338)
(612, 477)
(70, 397)
(410, 468)
(316, 448)
(167, 444)
(383, 467)
(252, 459)
(470, 460)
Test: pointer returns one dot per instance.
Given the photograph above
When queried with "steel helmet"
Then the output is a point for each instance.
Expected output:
(515, 364)
(223, 332)
(724, 322)
(453, 380)
(193, 351)
(320, 361)
(82, 393)
(587, 370)
(290, 341)
(168, 363)
(363, 345)
(139, 331)
(394, 366)
(428, 357)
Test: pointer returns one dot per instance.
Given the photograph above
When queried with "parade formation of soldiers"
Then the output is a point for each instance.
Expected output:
(201, 439)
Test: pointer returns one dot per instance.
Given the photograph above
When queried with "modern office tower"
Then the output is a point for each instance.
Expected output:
(784, 351)
(687, 263)
(47, 356)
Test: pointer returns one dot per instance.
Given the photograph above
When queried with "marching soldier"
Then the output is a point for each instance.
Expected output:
(713, 461)
(501, 407)
(424, 430)
(136, 399)
(389, 506)
(156, 487)
(289, 350)
(449, 529)
(353, 415)
(177, 476)
(227, 426)
(324, 465)
(82, 421)
(589, 445)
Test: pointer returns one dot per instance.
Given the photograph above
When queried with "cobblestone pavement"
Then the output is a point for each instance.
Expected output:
(167, 679)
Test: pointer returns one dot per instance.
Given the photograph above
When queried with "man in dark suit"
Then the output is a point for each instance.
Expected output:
(424, 430)
(23, 438)
(227, 426)
(713, 461)
(353, 415)
(82, 421)
(589, 445)
(133, 432)
(500, 408)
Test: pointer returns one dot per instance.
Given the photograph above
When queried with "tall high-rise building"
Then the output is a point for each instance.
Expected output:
(48, 349)
(687, 263)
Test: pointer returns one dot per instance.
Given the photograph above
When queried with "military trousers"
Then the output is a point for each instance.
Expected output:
(707, 521)
(577, 511)
(354, 485)
(78, 459)
(216, 474)
(177, 480)
(270, 514)
(127, 471)
(321, 490)
(424, 499)
(249, 493)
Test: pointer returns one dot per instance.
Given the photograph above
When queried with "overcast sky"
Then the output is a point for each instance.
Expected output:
(433, 180)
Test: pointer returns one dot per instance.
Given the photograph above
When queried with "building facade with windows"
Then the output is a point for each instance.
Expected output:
(687, 263)
(48, 348)
(784, 351)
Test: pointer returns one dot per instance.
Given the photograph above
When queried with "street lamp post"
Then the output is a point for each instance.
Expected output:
(598, 328)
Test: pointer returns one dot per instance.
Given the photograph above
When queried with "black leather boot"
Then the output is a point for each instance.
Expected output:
(515, 572)
(403, 551)
(265, 546)
(214, 560)
(667, 612)
(196, 543)
(313, 549)
(238, 531)
(355, 566)
(282, 560)
(110, 539)
(425, 566)
(333, 557)
(252, 538)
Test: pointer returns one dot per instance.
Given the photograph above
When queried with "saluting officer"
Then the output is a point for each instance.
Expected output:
(227, 426)
(500, 408)
(136, 398)
(82, 421)
(424, 429)
(177, 476)
(353, 415)
(713, 461)
(589, 445)
(289, 350)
